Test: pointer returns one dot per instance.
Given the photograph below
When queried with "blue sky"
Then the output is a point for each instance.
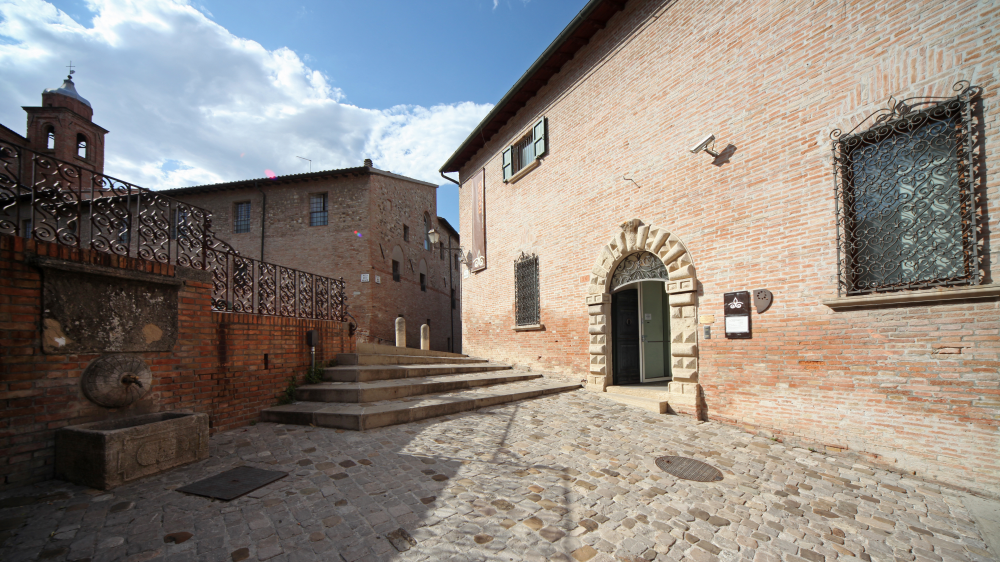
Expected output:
(200, 92)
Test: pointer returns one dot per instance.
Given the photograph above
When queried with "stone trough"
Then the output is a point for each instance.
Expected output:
(110, 453)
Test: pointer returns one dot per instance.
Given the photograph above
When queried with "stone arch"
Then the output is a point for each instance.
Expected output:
(633, 236)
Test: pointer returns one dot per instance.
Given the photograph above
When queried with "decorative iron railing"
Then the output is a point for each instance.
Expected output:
(909, 215)
(243, 284)
(52, 200)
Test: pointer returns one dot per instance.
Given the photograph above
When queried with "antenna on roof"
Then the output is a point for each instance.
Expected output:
(310, 163)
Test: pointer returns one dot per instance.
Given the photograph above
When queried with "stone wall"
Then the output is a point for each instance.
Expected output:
(913, 386)
(229, 366)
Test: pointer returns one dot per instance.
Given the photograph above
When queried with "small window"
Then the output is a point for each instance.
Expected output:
(50, 137)
(241, 217)
(442, 252)
(526, 308)
(395, 270)
(423, 282)
(81, 146)
(179, 227)
(318, 213)
(406, 233)
(525, 151)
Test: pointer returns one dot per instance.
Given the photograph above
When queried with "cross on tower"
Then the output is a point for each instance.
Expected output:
(70, 67)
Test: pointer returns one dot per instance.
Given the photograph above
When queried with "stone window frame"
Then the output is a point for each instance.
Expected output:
(634, 236)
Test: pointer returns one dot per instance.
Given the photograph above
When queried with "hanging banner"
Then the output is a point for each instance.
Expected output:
(478, 185)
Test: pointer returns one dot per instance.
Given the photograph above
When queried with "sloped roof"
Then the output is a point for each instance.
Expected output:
(289, 178)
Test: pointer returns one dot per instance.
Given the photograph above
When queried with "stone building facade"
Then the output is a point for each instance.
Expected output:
(663, 163)
(353, 223)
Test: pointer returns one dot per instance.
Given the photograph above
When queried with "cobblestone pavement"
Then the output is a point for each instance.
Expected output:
(566, 477)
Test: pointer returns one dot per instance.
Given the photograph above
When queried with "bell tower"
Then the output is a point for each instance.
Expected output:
(63, 128)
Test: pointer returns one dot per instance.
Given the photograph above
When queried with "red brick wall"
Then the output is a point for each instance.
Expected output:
(773, 79)
(217, 365)
(357, 204)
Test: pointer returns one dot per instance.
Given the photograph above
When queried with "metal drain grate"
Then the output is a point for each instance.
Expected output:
(234, 483)
(689, 469)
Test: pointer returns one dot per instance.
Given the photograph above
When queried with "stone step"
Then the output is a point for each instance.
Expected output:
(383, 349)
(659, 390)
(392, 412)
(364, 373)
(654, 405)
(381, 359)
(362, 392)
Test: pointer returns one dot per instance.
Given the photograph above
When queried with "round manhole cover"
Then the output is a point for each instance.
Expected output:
(689, 469)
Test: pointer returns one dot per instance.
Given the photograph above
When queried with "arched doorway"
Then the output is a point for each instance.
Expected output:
(640, 320)
(679, 291)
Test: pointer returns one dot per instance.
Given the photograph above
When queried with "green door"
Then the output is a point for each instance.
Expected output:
(655, 330)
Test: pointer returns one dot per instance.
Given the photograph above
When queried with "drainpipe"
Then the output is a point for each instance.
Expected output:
(263, 217)
(454, 182)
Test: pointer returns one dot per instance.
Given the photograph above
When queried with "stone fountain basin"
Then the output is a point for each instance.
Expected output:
(110, 453)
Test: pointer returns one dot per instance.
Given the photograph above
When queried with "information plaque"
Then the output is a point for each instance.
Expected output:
(737, 311)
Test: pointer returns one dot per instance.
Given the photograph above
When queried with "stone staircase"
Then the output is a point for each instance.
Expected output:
(384, 385)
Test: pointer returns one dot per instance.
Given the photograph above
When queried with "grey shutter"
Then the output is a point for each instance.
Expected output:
(538, 138)
(508, 163)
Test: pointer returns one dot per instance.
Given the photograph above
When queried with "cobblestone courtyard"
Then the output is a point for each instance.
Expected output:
(566, 477)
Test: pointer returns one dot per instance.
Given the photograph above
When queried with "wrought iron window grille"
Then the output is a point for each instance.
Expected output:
(55, 201)
(908, 211)
(526, 298)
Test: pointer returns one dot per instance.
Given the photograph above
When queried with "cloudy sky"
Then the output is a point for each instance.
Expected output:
(205, 92)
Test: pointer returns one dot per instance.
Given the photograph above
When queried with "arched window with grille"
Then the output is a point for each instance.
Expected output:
(50, 137)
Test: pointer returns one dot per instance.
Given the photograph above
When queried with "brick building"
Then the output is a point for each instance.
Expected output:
(62, 127)
(602, 246)
(366, 225)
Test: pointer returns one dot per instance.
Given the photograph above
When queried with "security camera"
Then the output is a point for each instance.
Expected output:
(703, 145)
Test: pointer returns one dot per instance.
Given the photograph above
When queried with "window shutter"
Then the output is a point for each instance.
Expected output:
(508, 163)
(538, 137)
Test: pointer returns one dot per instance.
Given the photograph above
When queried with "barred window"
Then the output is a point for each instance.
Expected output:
(395, 270)
(318, 214)
(406, 233)
(906, 202)
(527, 311)
(241, 217)
(423, 282)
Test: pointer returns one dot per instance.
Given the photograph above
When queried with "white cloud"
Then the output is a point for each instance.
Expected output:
(187, 102)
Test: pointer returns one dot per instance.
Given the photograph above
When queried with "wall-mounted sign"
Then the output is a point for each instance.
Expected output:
(762, 299)
(737, 310)
(378, 279)
(364, 277)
